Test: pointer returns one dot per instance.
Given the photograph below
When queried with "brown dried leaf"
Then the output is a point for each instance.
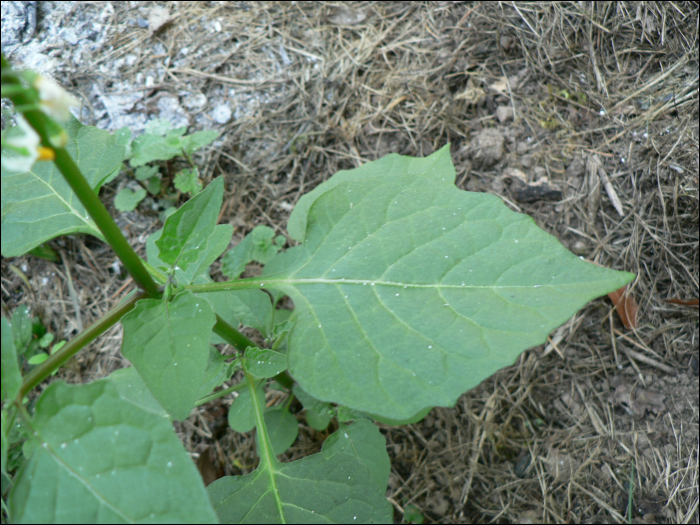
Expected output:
(626, 306)
(208, 469)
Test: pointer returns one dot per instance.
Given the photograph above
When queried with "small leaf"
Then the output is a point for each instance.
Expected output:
(145, 172)
(318, 413)
(11, 374)
(97, 458)
(626, 306)
(282, 428)
(215, 246)
(45, 252)
(241, 415)
(153, 185)
(127, 200)
(195, 141)
(363, 440)
(22, 329)
(168, 343)
(264, 363)
(259, 245)
(187, 181)
(187, 231)
(39, 205)
(37, 359)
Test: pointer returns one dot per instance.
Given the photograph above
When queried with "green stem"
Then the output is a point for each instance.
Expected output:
(220, 393)
(68, 350)
(268, 461)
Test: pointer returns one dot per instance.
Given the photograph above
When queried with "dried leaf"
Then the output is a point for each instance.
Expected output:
(626, 306)
(207, 467)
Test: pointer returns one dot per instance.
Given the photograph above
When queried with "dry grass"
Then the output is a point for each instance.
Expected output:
(320, 87)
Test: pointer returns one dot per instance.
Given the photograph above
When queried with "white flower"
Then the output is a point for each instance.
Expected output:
(54, 100)
(25, 148)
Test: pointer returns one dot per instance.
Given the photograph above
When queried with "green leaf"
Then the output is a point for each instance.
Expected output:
(193, 142)
(187, 231)
(247, 307)
(217, 372)
(362, 440)
(145, 172)
(132, 388)
(11, 374)
(45, 252)
(282, 428)
(168, 343)
(241, 415)
(39, 205)
(187, 181)
(315, 489)
(436, 167)
(264, 363)
(127, 200)
(97, 458)
(22, 329)
(409, 291)
(214, 247)
(318, 413)
(259, 245)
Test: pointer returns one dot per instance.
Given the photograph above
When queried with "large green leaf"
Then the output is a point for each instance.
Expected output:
(98, 458)
(38, 205)
(315, 489)
(337, 488)
(168, 343)
(186, 233)
(409, 291)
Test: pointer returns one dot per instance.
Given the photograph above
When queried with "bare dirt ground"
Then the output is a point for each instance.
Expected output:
(582, 115)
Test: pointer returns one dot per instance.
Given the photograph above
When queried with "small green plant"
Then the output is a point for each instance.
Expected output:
(407, 292)
(161, 143)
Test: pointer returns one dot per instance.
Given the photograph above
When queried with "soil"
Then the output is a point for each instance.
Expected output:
(581, 115)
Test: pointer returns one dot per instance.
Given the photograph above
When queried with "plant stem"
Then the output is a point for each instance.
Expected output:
(71, 348)
(231, 335)
(104, 221)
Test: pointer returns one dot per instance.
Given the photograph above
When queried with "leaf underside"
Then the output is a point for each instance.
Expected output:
(39, 205)
(409, 292)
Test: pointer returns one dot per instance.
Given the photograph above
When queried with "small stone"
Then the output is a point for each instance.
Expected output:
(504, 113)
(221, 114)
